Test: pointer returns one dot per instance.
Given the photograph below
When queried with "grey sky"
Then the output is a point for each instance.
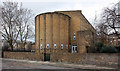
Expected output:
(89, 7)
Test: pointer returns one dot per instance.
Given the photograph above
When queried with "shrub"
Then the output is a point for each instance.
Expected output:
(91, 49)
(5, 48)
(108, 49)
(99, 46)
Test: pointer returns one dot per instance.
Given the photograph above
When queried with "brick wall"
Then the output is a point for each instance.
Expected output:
(24, 55)
(98, 59)
(52, 28)
(85, 38)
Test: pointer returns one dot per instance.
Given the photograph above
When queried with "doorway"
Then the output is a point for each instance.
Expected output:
(46, 57)
(74, 48)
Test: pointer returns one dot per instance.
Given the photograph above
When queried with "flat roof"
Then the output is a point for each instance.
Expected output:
(70, 11)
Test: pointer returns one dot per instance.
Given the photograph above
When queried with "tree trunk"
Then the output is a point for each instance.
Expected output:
(11, 46)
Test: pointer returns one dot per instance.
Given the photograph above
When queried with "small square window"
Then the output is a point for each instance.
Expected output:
(47, 46)
(41, 46)
(61, 46)
(55, 46)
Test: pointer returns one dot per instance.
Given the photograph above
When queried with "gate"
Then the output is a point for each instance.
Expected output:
(46, 57)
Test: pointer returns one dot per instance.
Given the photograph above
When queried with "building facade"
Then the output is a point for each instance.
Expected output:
(113, 40)
(58, 31)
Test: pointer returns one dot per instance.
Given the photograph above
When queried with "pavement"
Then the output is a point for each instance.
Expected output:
(28, 64)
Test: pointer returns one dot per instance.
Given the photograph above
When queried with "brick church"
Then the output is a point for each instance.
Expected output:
(63, 32)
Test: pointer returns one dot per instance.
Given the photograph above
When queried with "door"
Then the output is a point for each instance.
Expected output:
(74, 49)
(46, 57)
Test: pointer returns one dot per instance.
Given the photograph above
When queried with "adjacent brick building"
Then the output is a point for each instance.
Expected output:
(60, 31)
(113, 40)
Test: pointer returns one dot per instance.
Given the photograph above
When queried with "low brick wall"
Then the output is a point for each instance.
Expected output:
(66, 57)
(98, 59)
(24, 55)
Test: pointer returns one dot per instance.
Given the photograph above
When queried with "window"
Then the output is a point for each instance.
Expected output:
(55, 46)
(111, 41)
(61, 46)
(66, 46)
(115, 43)
(41, 46)
(37, 46)
(74, 37)
(47, 46)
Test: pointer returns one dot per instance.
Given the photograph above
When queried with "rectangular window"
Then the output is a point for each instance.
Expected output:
(55, 46)
(66, 46)
(61, 46)
(41, 46)
(37, 46)
(115, 43)
(47, 46)
(74, 37)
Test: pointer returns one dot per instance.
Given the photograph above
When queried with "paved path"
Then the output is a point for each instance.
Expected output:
(22, 64)
(27, 64)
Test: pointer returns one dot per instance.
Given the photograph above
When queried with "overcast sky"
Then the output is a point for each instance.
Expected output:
(89, 7)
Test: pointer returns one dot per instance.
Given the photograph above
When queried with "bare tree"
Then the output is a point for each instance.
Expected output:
(16, 23)
(110, 22)
(25, 26)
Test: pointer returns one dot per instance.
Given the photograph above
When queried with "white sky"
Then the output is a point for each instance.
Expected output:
(89, 8)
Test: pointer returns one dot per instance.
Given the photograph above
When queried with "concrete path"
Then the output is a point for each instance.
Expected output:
(45, 65)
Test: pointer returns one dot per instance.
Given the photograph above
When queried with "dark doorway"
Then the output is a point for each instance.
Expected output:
(46, 57)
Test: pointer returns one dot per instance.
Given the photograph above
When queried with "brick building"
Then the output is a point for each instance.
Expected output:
(113, 40)
(63, 31)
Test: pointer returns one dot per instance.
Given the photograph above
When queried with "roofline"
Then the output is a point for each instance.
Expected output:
(52, 13)
(88, 21)
(81, 14)
(70, 11)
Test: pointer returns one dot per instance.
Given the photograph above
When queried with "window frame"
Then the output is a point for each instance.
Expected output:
(61, 46)
(47, 46)
(55, 46)
(41, 46)
(66, 46)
